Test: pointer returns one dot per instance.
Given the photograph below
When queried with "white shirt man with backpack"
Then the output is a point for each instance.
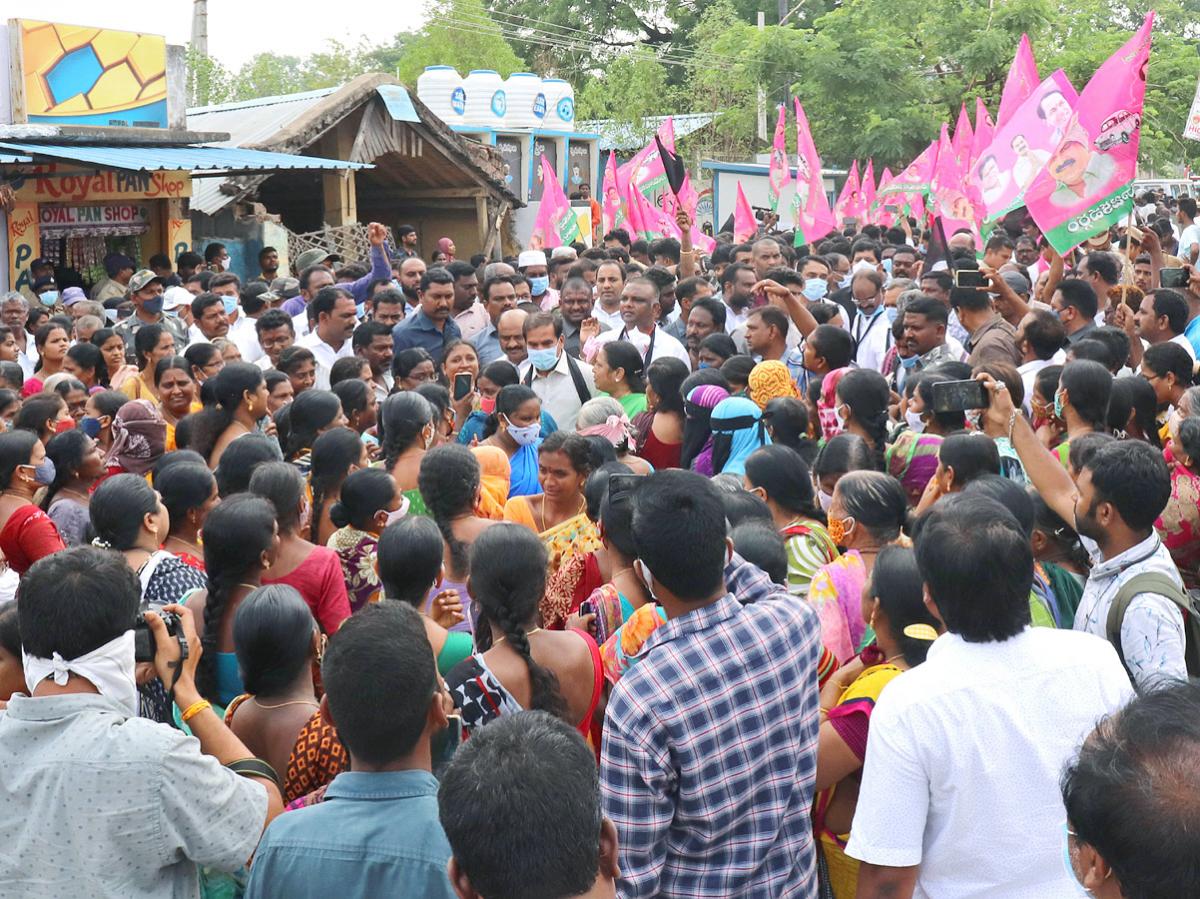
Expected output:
(1134, 596)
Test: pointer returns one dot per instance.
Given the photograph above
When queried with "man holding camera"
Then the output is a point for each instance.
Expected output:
(96, 800)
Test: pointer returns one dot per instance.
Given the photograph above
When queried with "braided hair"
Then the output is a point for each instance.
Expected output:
(508, 578)
(865, 391)
(449, 483)
(236, 534)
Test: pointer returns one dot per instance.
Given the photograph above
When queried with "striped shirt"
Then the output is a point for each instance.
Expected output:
(709, 755)
(809, 547)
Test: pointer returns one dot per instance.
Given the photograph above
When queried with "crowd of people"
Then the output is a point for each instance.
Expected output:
(863, 568)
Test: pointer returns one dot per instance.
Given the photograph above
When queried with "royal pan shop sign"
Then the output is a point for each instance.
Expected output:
(107, 217)
(79, 187)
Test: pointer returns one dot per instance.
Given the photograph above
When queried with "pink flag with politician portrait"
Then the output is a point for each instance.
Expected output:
(866, 192)
(1020, 83)
(812, 218)
(1087, 185)
(556, 223)
(1022, 146)
(952, 197)
(964, 137)
(779, 173)
(612, 210)
(985, 130)
(847, 205)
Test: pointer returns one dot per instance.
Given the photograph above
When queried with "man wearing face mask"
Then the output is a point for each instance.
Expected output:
(532, 264)
(77, 616)
(871, 328)
(46, 291)
(562, 382)
(146, 293)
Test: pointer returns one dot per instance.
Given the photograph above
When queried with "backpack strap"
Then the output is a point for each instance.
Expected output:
(1160, 585)
(581, 388)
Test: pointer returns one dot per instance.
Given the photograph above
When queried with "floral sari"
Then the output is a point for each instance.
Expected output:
(357, 552)
(1179, 524)
(912, 459)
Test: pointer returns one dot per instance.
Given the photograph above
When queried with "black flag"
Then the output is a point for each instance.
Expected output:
(672, 165)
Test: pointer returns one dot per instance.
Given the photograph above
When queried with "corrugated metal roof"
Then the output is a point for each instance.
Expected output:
(254, 121)
(616, 135)
(193, 159)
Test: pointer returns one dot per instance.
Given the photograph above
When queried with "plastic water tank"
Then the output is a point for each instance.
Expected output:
(441, 89)
(526, 101)
(560, 104)
(487, 101)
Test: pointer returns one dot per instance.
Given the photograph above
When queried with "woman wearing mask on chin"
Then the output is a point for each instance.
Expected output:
(26, 532)
(516, 428)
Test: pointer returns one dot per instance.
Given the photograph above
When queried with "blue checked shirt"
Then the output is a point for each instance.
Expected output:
(710, 752)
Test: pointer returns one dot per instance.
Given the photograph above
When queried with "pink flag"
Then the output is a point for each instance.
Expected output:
(1087, 186)
(963, 137)
(612, 212)
(645, 171)
(866, 192)
(847, 205)
(745, 226)
(885, 212)
(910, 187)
(1021, 147)
(779, 174)
(1022, 79)
(556, 223)
(951, 200)
(811, 216)
(984, 129)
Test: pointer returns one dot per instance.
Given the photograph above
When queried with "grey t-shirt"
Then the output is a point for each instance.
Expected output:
(98, 804)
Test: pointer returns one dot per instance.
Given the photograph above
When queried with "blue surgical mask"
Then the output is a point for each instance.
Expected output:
(891, 312)
(110, 314)
(154, 306)
(43, 472)
(230, 304)
(887, 265)
(525, 436)
(815, 289)
(538, 286)
(90, 426)
(360, 310)
(48, 297)
(845, 282)
(544, 360)
(171, 313)
(910, 362)
(702, 365)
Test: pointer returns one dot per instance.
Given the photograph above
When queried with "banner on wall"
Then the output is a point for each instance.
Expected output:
(23, 243)
(179, 236)
(47, 185)
(579, 168)
(60, 220)
(549, 150)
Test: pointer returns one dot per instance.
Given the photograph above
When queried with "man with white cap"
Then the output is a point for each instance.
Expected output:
(177, 303)
(532, 264)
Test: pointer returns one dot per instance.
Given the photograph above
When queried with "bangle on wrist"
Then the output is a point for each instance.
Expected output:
(252, 767)
(1012, 424)
(194, 709)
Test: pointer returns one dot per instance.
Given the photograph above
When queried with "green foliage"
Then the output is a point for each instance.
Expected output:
(633, 86)
(460, 34)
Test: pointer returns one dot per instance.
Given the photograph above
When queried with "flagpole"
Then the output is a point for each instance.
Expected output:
(1128, 253)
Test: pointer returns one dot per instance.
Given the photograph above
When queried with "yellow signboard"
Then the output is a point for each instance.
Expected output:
(47, 186)
(23, 243)
(81, 75)
(179, 237)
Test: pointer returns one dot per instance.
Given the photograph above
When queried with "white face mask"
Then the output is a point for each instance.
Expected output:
(916, 423)
(644, 573)
(841, 420)
(825, 499)
(110, 668)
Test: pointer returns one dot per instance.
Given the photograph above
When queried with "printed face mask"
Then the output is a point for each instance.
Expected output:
(525, 436)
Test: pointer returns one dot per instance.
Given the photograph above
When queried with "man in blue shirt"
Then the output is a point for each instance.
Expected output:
(376, 833)
(431, 328)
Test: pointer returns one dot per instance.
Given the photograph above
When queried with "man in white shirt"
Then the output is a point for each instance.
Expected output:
(563, 382)
(208, 319)
(610, 281)
(737, 292)
(1189, 233)
(871, 329)
(335, 316)
(639, 314)
(1040, 340)
(372, 341)
(959, 792)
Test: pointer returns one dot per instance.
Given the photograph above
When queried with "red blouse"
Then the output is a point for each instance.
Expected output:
(322, 583)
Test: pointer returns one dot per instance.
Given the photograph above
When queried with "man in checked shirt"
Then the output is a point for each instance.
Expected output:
(710, 740)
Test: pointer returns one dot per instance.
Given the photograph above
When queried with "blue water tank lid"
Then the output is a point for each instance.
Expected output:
(436, 68)
(482, 72)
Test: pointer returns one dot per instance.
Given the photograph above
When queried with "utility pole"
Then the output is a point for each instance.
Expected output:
(762, 94)
(200, 27)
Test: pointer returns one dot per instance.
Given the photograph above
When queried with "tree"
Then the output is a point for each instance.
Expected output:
(460, 34)
(632, 87)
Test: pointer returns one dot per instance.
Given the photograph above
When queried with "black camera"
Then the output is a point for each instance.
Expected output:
(144, 644)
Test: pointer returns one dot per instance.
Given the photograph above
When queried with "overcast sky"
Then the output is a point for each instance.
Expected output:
(237, 29)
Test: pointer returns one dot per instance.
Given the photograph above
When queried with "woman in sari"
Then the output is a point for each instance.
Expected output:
(904, 630)
(278, 646)
(697, 429)
(616, 600)
(78, 463)
(150, 344)
(779, 476)
(494, 378)
(26, 532)
(559, 515)
(308, 417)
(368, 503)
(139, 439)
(1059, 560)
(770, 380)
(449, 482)
(189, 491)
(1179, 523)
(618, 370)
(738, 430)
(913, 456)
(869, 509)
(407, 430)
(519, 665)
(660, 427)
(831, 426)
(604, 417)
(410, 566)
(494, 475)
(240, 399)
(516, 428)
(177, 393)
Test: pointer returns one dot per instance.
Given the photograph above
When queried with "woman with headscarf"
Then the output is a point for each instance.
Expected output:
(827, 404)
(139, 438)
(770, 380)
(494, 474)
(446, 247)
(697, 428)
(738, 430)
(604, 416)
